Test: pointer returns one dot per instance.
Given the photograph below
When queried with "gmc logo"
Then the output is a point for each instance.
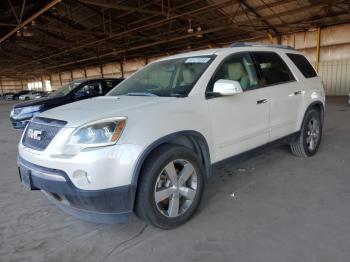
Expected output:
(34, 134)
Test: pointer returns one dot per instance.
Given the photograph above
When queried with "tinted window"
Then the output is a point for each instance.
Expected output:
(273, 70)
(303, 65)
(66, 89)
(108, 85)
(90, 89)
(237, 67)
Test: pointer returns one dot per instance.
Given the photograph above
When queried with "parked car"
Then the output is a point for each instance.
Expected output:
(72, 92)
(149, 145)
(20, 93)
(35, 95)
(8, 96)
(30, 95)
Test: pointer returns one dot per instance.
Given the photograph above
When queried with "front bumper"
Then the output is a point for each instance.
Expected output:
(112, 205)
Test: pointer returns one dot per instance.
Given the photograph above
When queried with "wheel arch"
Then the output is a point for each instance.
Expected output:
(189, 138)
(319, 106)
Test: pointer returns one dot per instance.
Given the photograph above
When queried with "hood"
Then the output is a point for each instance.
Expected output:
(79, 113)
(41, 101)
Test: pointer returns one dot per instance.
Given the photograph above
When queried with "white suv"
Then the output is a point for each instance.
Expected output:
(149, 146)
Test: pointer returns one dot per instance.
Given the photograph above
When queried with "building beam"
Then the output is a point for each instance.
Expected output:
(13, 11)
(113, 5)
(146, 45)
(128, 31)
(30, 19)
(22, 10)
(8, 24)
(251, 9)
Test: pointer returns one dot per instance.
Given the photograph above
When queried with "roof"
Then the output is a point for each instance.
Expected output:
(63, 34)
(245, 46)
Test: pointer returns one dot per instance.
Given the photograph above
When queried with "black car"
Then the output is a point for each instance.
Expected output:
(74, 91)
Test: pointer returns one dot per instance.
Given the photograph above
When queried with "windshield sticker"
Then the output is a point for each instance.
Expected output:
(201, 60)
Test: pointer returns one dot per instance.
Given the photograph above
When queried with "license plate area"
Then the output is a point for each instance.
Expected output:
(26, 178)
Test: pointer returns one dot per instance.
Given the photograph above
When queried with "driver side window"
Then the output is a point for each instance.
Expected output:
(91, 89)
(238, 67)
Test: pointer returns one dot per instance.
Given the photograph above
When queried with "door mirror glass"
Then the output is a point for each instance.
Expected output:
(226, 87)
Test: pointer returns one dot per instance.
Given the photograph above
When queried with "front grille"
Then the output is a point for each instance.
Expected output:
(44, 129)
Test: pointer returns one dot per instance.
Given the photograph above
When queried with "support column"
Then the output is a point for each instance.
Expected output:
(60, 78)
(42, 83)
(122, 68)
(2, 90)
(269, 36)
(50, 78)
(279, 39)
(101, 71)
(318, 48)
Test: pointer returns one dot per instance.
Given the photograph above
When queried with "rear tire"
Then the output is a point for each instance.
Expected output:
(310, 136)
(170, 187)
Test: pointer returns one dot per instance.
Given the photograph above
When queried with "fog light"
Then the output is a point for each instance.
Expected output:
(81, 177)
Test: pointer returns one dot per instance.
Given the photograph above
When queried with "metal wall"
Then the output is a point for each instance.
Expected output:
(336, 76)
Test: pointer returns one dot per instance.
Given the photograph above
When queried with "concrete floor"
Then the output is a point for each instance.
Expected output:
(284, 209)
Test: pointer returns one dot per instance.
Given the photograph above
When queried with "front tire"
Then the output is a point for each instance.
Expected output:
(309, 139)
(170, 187)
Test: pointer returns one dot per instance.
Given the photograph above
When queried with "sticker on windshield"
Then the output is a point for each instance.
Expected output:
(201, 60)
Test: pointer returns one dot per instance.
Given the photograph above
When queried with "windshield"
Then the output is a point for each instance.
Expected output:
(175, 77)
(65, 89)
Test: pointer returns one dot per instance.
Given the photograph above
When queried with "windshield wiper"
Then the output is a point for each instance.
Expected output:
(140, 94)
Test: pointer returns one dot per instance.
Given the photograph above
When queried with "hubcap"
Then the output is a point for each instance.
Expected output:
(176, 188)
(313, 134)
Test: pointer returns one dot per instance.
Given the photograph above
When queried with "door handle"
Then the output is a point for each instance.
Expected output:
(262, 101)
(297, 93)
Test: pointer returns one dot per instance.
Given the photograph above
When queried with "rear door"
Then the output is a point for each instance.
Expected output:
(283, 93)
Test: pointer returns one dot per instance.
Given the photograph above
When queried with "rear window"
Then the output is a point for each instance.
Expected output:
(303, 65)
(273, 70)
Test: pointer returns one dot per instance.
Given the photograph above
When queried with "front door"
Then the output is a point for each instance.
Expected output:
(239, 122)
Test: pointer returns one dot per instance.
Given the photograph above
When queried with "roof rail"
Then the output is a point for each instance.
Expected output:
(244, 44)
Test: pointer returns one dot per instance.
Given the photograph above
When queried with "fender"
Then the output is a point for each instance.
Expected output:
(201, 143)
(318, 103)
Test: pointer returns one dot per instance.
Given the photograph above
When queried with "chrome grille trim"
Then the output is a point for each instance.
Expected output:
(49, 129)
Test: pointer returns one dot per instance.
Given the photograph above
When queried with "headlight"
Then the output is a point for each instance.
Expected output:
(25, 112)
(95, 134)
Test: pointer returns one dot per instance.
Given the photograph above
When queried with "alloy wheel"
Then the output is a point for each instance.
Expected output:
(313, 134)
(175, 188)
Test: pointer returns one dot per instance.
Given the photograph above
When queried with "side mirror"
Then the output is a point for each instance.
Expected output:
(226, 87)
